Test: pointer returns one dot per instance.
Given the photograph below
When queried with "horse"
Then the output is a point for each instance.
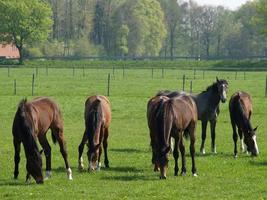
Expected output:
(152, 108)
(240, 108)
(32, 120)
(176, 117)
(97, 118)
(208, 107)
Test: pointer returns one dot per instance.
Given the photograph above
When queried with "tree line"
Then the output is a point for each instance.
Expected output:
(133, 28)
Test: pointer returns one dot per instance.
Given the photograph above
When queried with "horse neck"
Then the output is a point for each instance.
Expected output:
(208, 98)
(93, 124)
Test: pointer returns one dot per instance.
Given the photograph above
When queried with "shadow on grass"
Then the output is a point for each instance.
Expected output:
(14, 182)
(127, 150)
(122, 169)
(134, 177)
(258, 163)
(59, 170)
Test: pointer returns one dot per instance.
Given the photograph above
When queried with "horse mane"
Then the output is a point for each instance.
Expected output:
(212, 87)
(25, 123)
(93, 119)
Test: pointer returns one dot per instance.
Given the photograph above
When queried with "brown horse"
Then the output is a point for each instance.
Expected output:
(97, 118)
(176, 117)
(152, 108)
(32, 120)
(240, 107)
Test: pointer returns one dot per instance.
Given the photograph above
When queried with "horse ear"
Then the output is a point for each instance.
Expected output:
(217, 79)
(255, 128)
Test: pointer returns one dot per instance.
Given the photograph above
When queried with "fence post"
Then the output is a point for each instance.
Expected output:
(191, 87)
(113, 71)
(36, 71)
(162, 73)
(32, 84)
(15, 87)
(108, 84)
(183, 81)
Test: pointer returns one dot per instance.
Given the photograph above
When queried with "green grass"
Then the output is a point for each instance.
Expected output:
(131, 173)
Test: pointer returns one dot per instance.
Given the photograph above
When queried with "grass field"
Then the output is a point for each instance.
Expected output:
(131, 173)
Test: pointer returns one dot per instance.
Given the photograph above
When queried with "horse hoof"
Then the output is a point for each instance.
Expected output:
(183, 174)
(162, 177)
(214, 150)
(195, 175)
(202, 151)
(80, 167)
(235, 156)
(69, 174)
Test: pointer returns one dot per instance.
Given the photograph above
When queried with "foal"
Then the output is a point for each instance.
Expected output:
(97, 118)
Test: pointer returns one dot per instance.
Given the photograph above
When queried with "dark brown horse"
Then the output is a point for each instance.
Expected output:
(97, 118)
(175, 117)
(207, 103)
(153, 106)
(32, 120)
(240, 107)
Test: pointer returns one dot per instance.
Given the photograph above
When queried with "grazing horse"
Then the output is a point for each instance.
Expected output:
(240, 107)
(176, 117)
(207, 106)
(97, 118)
(152, 108)
(32, 120)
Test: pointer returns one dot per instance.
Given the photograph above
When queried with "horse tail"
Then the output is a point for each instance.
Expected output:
(242, 112)
(164, 127)
(94, 118)
(54, 139)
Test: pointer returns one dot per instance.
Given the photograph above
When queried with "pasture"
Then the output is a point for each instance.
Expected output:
(131, 175)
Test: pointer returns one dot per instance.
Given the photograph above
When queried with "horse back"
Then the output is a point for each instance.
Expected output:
(185, 111)
(240, 104)
(104, 105)
(46, 113)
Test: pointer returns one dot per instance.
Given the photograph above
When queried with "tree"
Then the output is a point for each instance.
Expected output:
(145, 21)
(23, 22)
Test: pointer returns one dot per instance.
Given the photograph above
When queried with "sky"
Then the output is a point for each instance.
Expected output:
(231, 4)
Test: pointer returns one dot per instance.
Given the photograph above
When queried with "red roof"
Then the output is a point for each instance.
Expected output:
(9, 51)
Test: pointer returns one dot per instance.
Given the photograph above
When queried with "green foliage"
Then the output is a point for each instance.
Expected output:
(145, 21)
(23, 22)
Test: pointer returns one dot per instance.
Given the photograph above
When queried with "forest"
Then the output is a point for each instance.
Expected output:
(148, 28)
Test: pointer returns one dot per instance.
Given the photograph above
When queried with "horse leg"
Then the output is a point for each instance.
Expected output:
(182, 150)
(176, 156)
(212, 130)
(242, 145)
(47, 151)
(16, 143)
(204, 128)
(234, 138)
(58, 133)
(80, 149)
(192, 147)
(105, 146)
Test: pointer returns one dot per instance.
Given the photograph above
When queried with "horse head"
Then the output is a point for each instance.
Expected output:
(222, 86)
(34, 166)
(250, 141)
(94, 157)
